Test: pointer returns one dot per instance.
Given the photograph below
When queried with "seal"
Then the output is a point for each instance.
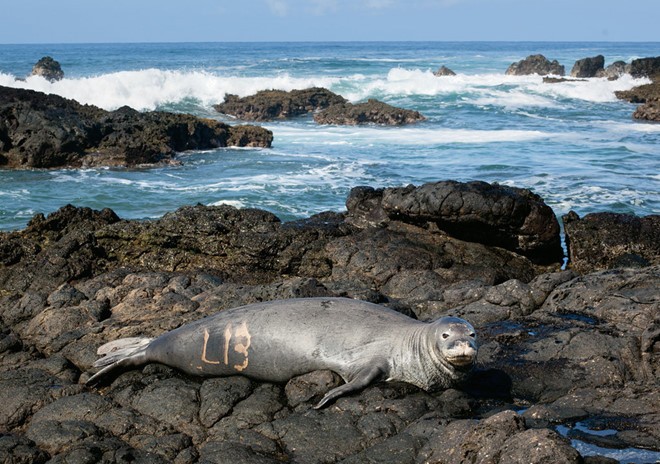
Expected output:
(277, 340)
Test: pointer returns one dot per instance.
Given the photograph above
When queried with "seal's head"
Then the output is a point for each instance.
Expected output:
(456, 341)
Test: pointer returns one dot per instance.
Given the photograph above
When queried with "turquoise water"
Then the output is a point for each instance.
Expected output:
(573, 143)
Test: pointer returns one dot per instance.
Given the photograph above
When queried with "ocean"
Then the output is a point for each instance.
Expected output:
(573, 143)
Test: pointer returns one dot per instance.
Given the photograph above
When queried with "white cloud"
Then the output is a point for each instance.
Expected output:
(278, 7)
(320, 7)
(379, 4)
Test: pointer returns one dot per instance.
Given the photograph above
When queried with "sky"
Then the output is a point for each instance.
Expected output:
(93, 21)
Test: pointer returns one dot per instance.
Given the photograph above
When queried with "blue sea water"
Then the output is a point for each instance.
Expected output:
(573, 143)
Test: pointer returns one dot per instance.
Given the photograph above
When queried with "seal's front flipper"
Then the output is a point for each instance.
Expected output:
(361, 380)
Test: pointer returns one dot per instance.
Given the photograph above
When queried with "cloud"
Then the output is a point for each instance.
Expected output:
(320, 7)
(379, 4)
(278, 7)
(382, 4)
(282, 8)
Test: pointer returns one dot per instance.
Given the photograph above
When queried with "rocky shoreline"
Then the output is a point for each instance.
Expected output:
(47, 131)
(557, 347)
(561, 348)
(647, 94)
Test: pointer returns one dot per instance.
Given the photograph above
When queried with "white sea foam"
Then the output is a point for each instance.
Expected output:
(235, 203)
(149, 88)
(491, 89)
(627, 127)
(598, 90)
(331, 135)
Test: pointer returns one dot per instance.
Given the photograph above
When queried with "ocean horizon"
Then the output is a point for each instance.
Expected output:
(573, 143)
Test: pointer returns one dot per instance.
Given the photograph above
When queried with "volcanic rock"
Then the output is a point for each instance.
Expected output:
(648, 111)
(371, 112)
(536, 64)
(267, 105)
(641, 94)
(615, 70)
(588, 67)
(565, 348)
(444, 71)
(608, 240)
(501, 438)
(46, 131)
(508, 217)
(645, 67)
(559, 80)
(48, 68)
(649, 95)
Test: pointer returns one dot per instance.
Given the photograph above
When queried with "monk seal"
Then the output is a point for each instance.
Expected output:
(277, 340)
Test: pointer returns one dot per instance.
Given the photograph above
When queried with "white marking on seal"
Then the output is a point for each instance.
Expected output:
(227, 338)
(206, 340)
(241, 346)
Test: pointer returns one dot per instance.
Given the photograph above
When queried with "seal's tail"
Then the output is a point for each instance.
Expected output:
(119, 355)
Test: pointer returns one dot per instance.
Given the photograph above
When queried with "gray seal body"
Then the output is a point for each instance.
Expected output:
(275, 341)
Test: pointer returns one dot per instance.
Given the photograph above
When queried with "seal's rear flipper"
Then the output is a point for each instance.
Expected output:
(363, 378)
(117, 356)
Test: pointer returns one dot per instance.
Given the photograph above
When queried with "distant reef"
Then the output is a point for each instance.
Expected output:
(268, 105)
(648, 94)
(48, 68)
(47, 131)
(328, 108)
(586, 67)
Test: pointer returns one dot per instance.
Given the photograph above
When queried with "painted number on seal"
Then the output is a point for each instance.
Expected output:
(241, 343)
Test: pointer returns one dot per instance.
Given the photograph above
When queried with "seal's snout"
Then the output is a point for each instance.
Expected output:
(461, 353)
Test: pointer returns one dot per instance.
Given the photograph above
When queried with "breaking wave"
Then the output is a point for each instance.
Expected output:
(150, 89)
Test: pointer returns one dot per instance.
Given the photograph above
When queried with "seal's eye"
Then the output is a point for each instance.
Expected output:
(473, 335)
(445, 335)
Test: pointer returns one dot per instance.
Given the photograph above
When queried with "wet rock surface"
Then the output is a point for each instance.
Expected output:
(48, 68)
(649, 111)
(641, 94)
(268, 105)
(328, 108)
(507, 217)
(647, 94)
(589, 67)
(370, 112)
(46, 131)
(557, 347)
(536, 64)
(444, 71)
(645, 67)
(608, 240)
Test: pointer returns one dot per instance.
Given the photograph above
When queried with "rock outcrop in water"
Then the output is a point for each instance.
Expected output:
(647, 94)
(444, 71)
(369, 112)
(645, 67)
(536, 64)
(47, 131)
(48, 68)
(564, 347)
(589, 67)
(328, 108)
(268, 105)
